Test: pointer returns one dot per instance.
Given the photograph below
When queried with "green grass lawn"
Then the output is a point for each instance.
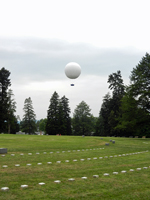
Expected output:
(125, 154)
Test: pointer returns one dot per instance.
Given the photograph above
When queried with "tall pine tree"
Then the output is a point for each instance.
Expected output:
(4, 84)
(66, 119)
(11, 118)
(29, 118)
(53, 119)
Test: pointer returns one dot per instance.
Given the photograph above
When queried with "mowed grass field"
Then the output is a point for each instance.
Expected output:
(92, 157)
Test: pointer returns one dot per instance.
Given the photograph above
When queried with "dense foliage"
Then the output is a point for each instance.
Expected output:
(127, 111)
(82, 120)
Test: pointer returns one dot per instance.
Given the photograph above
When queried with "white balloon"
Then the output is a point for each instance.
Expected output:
(72, 70)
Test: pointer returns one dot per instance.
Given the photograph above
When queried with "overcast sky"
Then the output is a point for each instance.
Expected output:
(39, 37)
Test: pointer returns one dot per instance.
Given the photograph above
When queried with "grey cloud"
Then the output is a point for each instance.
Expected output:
(36, 59)
(32, 60)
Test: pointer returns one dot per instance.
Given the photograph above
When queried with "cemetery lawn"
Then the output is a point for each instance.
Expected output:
(125, 154)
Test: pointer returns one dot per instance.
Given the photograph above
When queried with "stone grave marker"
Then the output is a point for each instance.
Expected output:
(42, 183)
(3, 150)
(71, 179)
(5, 188)
(95, 176)
(57, 181)
(84, 177)
(24, 186)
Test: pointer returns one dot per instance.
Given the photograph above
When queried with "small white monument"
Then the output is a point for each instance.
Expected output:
(95, 176)
(57, 181)
(5, 188)
(42, 183)
(24, 186)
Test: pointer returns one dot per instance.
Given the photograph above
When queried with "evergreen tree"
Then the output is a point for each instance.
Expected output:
(109, 112)
(140, 83)
(118, 89)
(29, 118)
(82, 119)
(102, 126)
(53, 119)
(4, 84)
(65, 113)
(11, 119)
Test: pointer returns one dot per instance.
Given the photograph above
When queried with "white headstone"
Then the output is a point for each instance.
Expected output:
(95, 176)
(5, 166)
(131, 170)
(42, 183)
(84, 177)
(123, 171)
(71, 179)
(57, 181)
(106, 174)
(145, 167)
(24, 186)
(95, 158)
(115, 173)
(17, 165)
(5, 188)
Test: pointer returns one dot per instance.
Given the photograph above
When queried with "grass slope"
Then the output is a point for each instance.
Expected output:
(125, 154)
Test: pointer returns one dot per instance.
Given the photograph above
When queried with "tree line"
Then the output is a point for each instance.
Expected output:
(124, 112)
(127, 111)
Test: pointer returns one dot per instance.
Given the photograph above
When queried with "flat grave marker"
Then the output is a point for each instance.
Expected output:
(5, 188)
(95, 176)
(24, 186)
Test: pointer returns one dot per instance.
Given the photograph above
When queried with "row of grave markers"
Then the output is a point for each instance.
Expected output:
(56, 152)
(84, 178)
(75, 160)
